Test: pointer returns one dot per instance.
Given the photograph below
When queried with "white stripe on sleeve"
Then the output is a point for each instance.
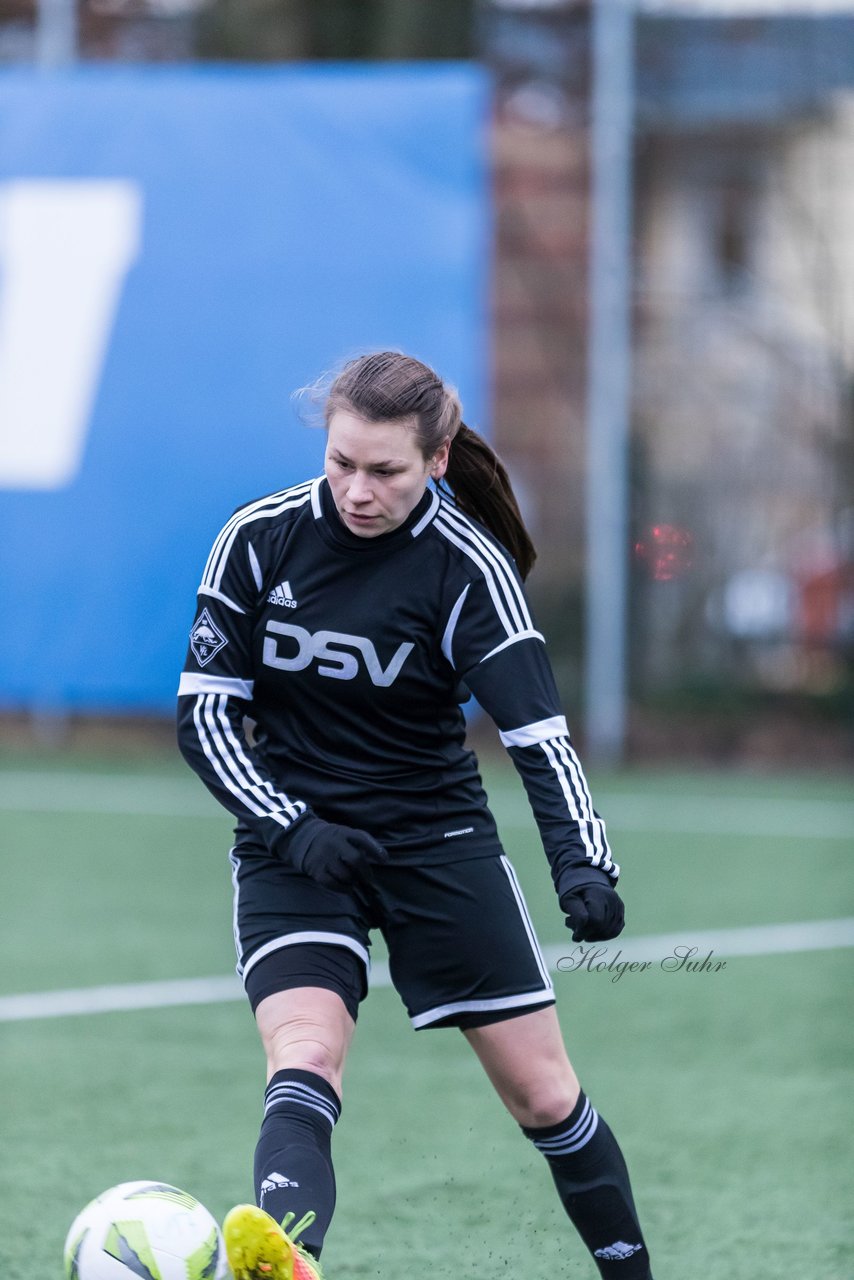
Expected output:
(540, 731)
(255, 566)
(427, 517)
(219, 595)
(597, 826)
(234, 769)
(523, 635)
(274, 504)
(497, 558)
(553, 736)
(195, 682)
(575, 813)
(260, 786)
(499, 599)
(448, 637)
(199, 719)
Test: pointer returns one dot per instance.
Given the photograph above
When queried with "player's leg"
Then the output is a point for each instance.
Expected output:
(463, 952)
(306, 1033)
(308, 1029)
(306, 998)
(303, 955)
(526, 1061)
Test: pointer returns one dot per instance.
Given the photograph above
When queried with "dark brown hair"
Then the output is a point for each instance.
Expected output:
(387, 386)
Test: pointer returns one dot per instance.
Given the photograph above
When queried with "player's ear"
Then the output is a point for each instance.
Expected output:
(439, 461)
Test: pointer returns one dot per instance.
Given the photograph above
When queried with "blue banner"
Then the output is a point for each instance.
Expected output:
(179, 250)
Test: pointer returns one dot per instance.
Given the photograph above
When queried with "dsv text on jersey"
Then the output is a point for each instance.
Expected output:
(334, 653)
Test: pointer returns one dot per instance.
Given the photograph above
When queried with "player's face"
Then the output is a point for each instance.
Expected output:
(377, 472)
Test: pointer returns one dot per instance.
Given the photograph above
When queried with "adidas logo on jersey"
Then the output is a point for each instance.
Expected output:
(282, 595)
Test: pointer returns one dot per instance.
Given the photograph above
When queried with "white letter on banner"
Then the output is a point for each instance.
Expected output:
(65, 249)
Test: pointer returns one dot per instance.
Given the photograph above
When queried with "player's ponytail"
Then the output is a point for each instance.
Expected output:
(388, 386)
(480, 486)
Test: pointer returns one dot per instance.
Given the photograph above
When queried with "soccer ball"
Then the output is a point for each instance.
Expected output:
(146, 1231)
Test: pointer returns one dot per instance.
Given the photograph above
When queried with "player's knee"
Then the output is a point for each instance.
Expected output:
(306, 1031)
(296, 1045)
(306, 1048)
(545, 1103)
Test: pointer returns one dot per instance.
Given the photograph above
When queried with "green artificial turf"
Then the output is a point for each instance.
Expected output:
(729, 1090)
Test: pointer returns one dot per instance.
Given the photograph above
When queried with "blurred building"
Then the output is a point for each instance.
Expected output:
(742, 470)
(744, 408)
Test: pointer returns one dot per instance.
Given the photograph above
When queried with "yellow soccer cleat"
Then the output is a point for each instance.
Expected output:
(259, 1249)
(306, 1267)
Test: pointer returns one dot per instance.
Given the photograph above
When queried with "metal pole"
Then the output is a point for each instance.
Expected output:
(56, 33)
(609, 375)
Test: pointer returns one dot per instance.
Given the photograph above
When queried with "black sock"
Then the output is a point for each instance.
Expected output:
(593, 1184)
(293, 1159)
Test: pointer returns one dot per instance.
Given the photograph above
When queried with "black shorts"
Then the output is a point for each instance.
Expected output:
(462, 948)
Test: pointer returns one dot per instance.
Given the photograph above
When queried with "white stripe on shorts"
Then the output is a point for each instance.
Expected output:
(480, 1006)
(308, 935)
(528, 922)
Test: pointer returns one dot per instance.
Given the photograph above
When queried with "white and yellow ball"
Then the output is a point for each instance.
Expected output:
(146, 1230)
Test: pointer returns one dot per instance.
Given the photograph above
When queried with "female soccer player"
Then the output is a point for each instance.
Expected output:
(348, 617)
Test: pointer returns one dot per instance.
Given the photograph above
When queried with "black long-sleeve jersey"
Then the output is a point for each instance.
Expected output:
(352, 655)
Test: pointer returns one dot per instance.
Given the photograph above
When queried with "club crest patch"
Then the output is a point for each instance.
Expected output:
(206, 639)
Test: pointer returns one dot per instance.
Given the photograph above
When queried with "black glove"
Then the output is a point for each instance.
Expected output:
(594, 912)
(337, 857)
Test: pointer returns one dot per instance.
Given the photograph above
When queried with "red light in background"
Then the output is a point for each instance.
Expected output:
(665, 551)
